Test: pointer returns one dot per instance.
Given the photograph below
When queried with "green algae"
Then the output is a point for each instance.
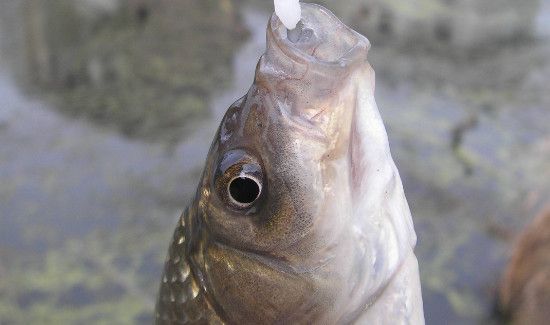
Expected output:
(101, 279)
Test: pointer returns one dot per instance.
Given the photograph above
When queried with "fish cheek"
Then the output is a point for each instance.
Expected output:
(251, 292)
(268, 229)
(275, 223)
(276, 216)
(296, 183)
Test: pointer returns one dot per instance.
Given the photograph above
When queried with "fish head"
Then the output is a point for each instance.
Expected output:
(280, 163)
(294, 204)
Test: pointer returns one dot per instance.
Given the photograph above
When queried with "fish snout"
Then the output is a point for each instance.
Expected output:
(309, 70)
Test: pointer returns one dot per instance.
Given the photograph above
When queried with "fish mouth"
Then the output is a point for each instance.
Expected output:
(307, 71)
(320, 38)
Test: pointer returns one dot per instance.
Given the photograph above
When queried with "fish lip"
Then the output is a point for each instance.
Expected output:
(356, 53)
(307, 80)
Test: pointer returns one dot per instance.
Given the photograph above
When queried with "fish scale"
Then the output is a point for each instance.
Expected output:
(180, 299)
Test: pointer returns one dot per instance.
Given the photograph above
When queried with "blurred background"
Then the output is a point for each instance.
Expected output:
(108, 107)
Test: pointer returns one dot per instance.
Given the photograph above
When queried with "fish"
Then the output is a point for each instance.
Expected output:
(300, 216)
(524, 293)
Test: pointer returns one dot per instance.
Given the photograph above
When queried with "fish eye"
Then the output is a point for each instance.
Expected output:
(244, 190)
(239, 180)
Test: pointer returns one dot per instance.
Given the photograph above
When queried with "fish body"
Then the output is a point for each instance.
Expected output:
(300, 216)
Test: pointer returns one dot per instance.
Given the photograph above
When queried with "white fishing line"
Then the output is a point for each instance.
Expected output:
(289, 12)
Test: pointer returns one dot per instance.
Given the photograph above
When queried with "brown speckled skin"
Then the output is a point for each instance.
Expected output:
(330, 237)
(525, 289)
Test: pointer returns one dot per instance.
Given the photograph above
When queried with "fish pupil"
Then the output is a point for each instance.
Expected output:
(244, 190)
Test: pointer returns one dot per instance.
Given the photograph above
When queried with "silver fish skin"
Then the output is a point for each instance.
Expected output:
(300, 216)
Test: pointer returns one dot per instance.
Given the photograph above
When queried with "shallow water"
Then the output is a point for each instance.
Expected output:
(85, 209)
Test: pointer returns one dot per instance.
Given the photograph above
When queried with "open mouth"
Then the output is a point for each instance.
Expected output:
(319, 38)
(306, 70)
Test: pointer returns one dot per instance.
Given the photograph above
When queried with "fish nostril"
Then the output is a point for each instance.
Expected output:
(244, 190)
